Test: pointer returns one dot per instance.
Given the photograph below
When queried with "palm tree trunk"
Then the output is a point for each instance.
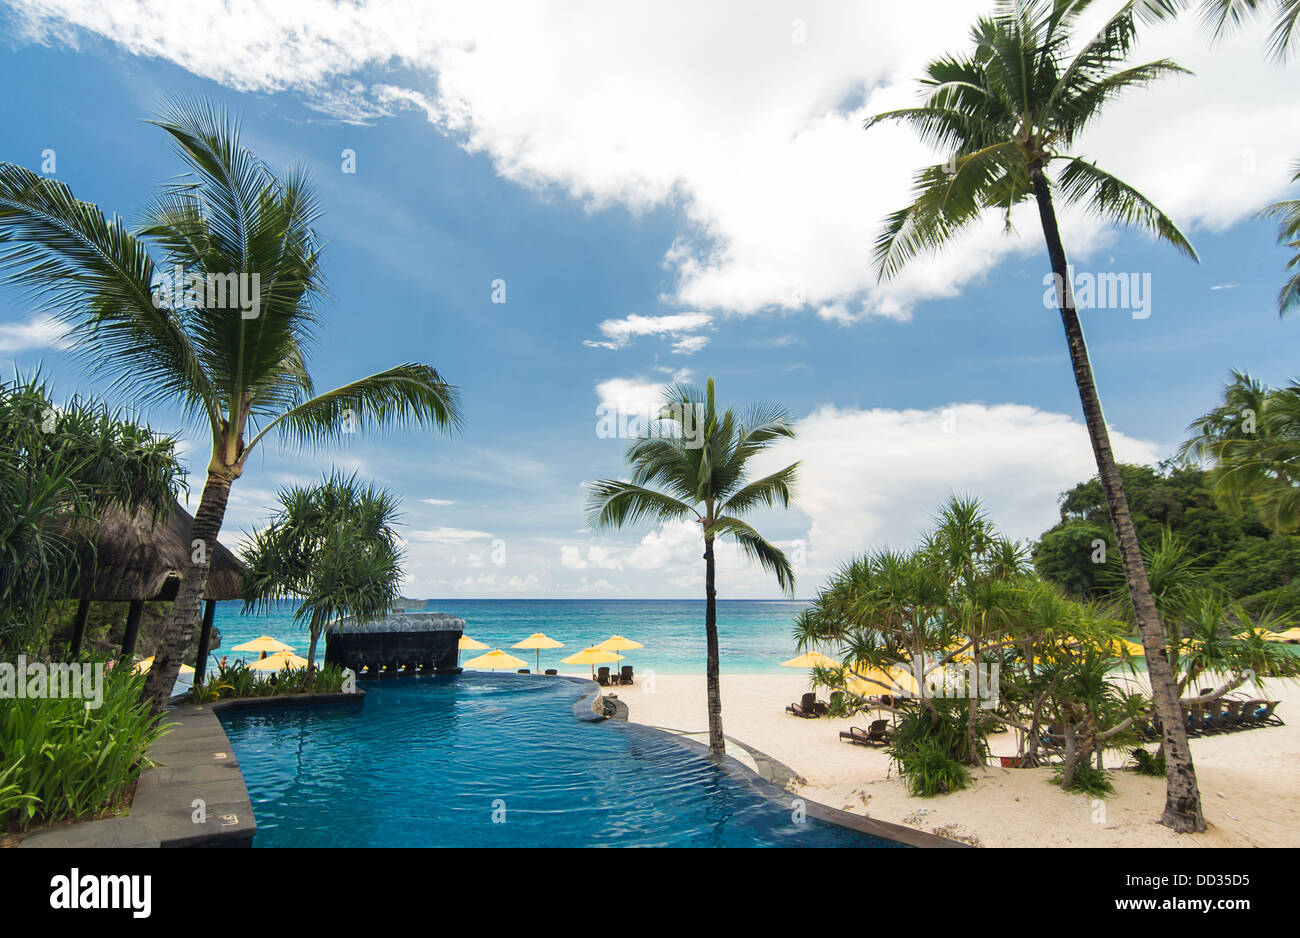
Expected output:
(178, 627)
(1182, 798)
(315, 634)
(717, 748)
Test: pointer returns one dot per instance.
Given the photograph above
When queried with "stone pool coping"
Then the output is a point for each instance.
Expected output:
(194, 762)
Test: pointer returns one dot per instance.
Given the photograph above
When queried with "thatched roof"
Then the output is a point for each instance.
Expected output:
(134, 558)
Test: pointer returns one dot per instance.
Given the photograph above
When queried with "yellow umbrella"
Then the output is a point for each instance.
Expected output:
(1120, 645)
(278, 662)
(812, 659)
(868, 681)
(496, 660)
(618, 643)
(593, 656)
(1290, 635)
(142, 667)
(468, 644)
(263, 643)
(537, 641)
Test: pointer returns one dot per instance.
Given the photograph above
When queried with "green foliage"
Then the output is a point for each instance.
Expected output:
(63, 761)
(1088, 780)
(238, 680)
(334, 547)
(1233, 552)
(929, 769)
(60, 465)
(1148, 763)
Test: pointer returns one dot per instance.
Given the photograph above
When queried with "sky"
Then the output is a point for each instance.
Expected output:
(664, 192)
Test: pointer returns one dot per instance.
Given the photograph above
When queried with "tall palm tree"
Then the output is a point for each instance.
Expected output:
(244, 376)
(699, 468)
(1223, 16)
(334, 547)
(1008, 111)
(1287, 213)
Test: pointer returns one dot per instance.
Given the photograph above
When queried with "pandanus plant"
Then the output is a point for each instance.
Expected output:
(230, 225)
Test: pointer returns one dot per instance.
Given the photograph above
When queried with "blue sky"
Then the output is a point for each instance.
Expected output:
(737, 225)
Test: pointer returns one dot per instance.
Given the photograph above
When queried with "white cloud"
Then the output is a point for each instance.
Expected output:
(446, 535)
(749, 121)
(437, 502)
(875, 478)
(36, 333)
(620, 332)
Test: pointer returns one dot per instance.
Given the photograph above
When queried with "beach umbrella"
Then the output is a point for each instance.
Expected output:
(813, 659)
(278, 662)
(264, 644)
(870, 681)
(468, 644)
(496, 660)
(1290, 635)
(618, 643)
(1120, 645)
(536, 642)
(593, 656)
(142, 667)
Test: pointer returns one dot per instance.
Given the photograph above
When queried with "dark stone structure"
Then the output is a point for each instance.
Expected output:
(403, 642)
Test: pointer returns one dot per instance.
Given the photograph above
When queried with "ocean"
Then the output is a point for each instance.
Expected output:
(754, 636)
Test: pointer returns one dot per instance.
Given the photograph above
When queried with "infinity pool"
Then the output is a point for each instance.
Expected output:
(494, 761)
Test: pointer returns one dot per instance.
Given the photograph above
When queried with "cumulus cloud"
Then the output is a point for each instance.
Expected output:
(747, 120)
(36, 333)
(680, 326)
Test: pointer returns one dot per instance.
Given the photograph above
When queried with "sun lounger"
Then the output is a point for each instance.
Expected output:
(877, 734)
(625, 674)
(524, 671)
(806, 707)
(602, 677)
(552, 671)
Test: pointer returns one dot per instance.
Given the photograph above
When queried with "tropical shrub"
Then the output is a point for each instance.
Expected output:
(1087, 779)
(64, 761)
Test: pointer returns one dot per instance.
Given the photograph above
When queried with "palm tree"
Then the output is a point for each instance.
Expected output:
(333, 546)
(1223, 16)
(1287, 213)
(232, 226)
(1252, 441)
(1008, 111)
(699, 465)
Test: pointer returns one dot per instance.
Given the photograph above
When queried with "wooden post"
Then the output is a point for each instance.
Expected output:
(205, 636)
(79, 627)
(132, 632)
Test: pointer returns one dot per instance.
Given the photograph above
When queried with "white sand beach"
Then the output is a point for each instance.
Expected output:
(1250, 780)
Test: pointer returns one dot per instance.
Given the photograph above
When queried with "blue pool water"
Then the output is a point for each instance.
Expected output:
(755, 636)
(493, 760)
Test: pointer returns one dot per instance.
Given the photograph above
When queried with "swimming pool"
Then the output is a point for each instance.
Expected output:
(494, 761)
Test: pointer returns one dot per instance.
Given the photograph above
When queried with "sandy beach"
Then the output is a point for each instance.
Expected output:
(1250, 780)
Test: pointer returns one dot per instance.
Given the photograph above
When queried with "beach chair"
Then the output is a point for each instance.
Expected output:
(625, 674)
(552, 672)
(1265, 713)
(602, 677)
(1053, 740)
(1216, 720)
(806, 707)
(524, 671)
(1232, 714)
(877, 734)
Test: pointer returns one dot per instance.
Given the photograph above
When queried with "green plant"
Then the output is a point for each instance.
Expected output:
(929, 768)
(1147, 763)
(1088, 780)
(65, 761)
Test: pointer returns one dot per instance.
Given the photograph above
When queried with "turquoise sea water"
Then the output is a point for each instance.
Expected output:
(478, 760)
(754, 636)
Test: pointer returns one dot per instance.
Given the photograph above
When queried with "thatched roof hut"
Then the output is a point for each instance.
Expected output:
(125, 558)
